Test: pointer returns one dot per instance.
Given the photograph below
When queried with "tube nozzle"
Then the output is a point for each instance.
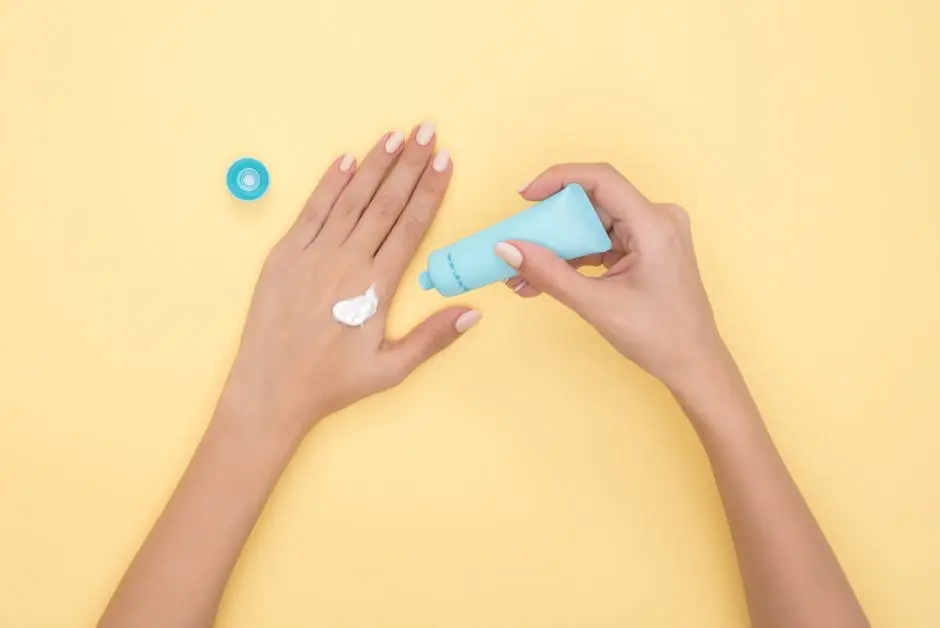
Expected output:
(425, 280)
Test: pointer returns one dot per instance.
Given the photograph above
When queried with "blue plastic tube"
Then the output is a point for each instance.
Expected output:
(565, 223)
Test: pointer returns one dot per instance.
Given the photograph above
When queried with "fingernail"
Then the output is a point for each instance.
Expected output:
(394, 141)
(522, 284)
(440, 161)
(524, 187)
(346, 163)
(509, 254)
(425, 133)
(467, 320)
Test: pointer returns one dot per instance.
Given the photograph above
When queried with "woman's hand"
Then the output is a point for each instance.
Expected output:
(360, 227)
(650, 304)
(295, 366)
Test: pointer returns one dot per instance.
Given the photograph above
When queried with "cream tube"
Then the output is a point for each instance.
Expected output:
(565, 223)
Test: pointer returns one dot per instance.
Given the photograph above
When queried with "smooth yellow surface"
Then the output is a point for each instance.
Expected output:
(531, 477)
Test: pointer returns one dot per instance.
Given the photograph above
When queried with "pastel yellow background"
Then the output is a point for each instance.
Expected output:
(531, 477)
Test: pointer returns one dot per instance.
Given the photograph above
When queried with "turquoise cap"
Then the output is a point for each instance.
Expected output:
(247, 179)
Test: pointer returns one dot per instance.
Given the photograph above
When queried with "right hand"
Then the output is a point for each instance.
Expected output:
(650, 304)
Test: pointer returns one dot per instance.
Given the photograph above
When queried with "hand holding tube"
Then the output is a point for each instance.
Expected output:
(650, 304)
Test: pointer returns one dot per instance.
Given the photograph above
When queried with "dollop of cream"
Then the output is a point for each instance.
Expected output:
(356, 311)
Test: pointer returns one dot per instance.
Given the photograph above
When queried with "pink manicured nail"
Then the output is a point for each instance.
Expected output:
(394, 141)
(524, 187)
(509, 254)
(425, 134)
(346, 163)
(522, 284)
(440, 161)
(467, 320)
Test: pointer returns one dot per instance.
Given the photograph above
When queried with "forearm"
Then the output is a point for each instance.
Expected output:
(791, 575)
(180, 572)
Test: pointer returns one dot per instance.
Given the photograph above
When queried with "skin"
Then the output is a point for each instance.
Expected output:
(296, 366)
(651, 306)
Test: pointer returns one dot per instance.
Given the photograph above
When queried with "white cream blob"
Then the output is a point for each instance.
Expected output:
(356, 311)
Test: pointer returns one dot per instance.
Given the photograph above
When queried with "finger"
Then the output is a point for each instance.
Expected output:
(595, 259)
(545, 271)
(605, 259)
(394, 192)
(358, 193)
(606, 187)
(611, 258)
(516, 283)
(403, 240)
(324, 195)
(428, 339)
(522, 287)
(526, 290)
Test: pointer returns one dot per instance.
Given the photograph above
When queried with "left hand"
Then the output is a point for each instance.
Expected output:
(360, 227)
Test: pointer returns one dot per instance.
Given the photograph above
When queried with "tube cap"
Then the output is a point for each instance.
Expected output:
(247, 179)
(425, 280)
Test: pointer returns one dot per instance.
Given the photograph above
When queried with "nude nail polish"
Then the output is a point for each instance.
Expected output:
(346, 163)
(425, 134)
(441, 160)
(509, 254)
(394, 141)
(467, 320)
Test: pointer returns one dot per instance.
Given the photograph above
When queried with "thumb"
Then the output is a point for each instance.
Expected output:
(546, 271)
(430, 337)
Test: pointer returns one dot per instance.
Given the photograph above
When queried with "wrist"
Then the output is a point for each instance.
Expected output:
(258, 399)
(701, 363)
(712, 391)
(244, 410)
(255, 442)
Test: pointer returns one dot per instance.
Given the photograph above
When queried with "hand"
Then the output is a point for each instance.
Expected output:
(650, 304)
(359, 227)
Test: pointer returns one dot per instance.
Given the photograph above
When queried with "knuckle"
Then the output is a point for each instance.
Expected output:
(606, 168)
(677, 211)
(387, 206)
(430, 188)
(679, 215)
(671, 214)
(347, 206)
(415, 159)
(414, 224)
(665, 230)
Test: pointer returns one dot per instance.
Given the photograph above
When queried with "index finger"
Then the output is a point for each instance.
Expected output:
(610, 190)
(403, 240)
